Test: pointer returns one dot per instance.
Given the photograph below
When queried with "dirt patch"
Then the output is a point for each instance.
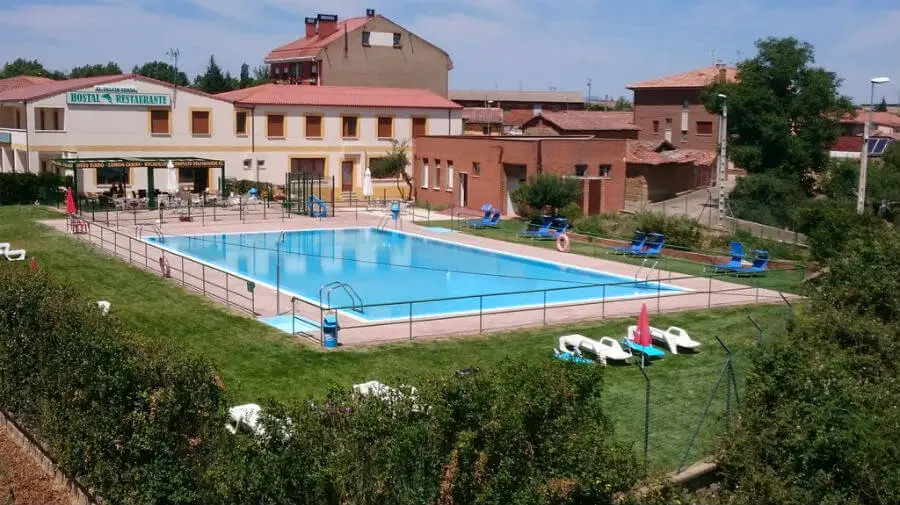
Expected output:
(22, 480)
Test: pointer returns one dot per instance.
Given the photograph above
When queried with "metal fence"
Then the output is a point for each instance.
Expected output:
(235, 292)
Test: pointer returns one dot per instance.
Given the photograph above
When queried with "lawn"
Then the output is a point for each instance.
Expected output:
(788, 281)
(257, 362)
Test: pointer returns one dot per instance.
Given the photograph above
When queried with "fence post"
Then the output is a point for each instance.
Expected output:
(410, 316)
(545, 307)
(480, 313)
(646, 417)
(227, 298)
(146, 253)
(129, 249)
(603, 304)
(203, 277)
(759, 330)
(709, 293)
(182, 270)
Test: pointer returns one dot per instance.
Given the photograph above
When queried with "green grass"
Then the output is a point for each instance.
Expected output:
(257, 362)
(788, 281)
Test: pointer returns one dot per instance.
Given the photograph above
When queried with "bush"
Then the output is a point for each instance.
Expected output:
(572, 212)
(545, 193)
(27, 188)
(600, 225)
(830, 225)
(129, 419)
(523, 433)
(767, 199)
(679, 231)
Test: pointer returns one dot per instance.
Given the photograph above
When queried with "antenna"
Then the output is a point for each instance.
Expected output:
(173, 57)
(738, 56)
(712, 53)
(589, 90)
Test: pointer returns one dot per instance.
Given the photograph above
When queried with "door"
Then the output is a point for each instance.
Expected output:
(347, 176)
(463, 190)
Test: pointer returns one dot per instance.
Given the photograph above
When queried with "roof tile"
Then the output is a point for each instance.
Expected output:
(518, 96)
(338, 96)
(304, 47)
(651, 152)
(585, 120)
(483, 115)
(877, 118)
(21, 81)
(699, 78)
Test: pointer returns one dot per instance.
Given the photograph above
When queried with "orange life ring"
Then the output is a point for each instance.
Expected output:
(164, 267)
(562, 243)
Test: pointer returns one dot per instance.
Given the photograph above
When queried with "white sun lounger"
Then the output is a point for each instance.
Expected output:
(11, 254)
(104, 306)
(246, 416)
(674, 337)
(604, 349)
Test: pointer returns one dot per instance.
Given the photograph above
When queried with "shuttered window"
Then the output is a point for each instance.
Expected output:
(419, 126)
(385, 127)
(159, 122)
(349, 126)
(704, 128)
(200, 122)
(48, 119)
(240, 122)
(314, 126)
(275, 125)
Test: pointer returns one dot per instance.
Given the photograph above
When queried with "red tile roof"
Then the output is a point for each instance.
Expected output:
(49, 88)
(21, 81)
(847, 144)
(483, 115)
(652, 152)
(589, 120)
(304, 48)
(877, 118)
(338, 96)
(699, 78)
(517, 117)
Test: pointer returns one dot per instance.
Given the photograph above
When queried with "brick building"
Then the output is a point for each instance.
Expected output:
(606, 125)
(669, 108)
(482, 121)
(362, 51)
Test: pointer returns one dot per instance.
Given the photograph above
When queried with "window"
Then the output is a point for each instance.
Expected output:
(437, 175)
(365, 38)
(385, 127)
(160, 122)
(476, 168)
(683, 136)
(349, 127)
(240, 122)
(425, 173)
(656, 126)
(18, 119)
(449, 175)
(604, 170)
(314, 127)
(275, 126)
(419, 126)
(686, 105)
(704, 127)
(48, 119)
(312, 167)
(200, 122)
(668, 133)
(107, 175)
(684, 120)
(186, 175)
(580, 170)
(397, 40)
(485, 130)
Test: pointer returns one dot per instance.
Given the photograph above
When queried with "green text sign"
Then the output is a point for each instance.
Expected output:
(113, 98)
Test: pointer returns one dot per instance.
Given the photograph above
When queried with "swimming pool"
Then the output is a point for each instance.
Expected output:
(389, 269)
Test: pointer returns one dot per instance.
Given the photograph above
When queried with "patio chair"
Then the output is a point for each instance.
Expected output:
(606, 349)
(103, 305)
(12, 254)
(647, 350)
(485, 222)
(737, 257)
(637, 243)
(653, 247)
(674, 337)
(760, 263)
(531, 232)
(562, 224)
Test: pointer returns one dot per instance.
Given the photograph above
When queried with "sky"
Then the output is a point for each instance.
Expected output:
(494, 44)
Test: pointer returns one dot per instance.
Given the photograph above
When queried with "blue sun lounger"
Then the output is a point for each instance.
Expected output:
(737, 256)
(653, 247)
(561, 225)
(535, 233)
(485, 222)
(647, 350)
(637, 243)
(760, 262)
(569, 356)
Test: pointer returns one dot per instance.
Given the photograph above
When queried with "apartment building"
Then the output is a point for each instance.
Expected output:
(369, 50)
(669, 108)
(258, 133)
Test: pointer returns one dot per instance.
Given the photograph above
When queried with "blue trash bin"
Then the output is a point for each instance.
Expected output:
(395, 211)
(330, 330)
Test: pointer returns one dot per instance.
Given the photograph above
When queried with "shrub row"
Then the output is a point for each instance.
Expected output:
(129, 419)
(27, 188)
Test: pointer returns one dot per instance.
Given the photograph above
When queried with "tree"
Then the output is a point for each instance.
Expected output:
(261, 75)
(546, 192)
(394, 164)
(892, 156)
(623, 104)
(882, 107)
(97, 69)
(245, 80)
(213, 80)
(783, 111)
(21, 66)
(162, 71)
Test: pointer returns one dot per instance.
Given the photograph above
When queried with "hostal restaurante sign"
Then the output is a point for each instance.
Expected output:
(117, 96)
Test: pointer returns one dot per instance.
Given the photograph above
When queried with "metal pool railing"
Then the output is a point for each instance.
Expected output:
(235, 292)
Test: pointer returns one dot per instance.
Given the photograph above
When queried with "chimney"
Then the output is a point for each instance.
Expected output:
(310, 27)
(327, 24)
(722, 76)
(370, 13)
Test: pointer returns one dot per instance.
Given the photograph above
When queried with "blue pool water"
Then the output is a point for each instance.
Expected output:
(388, 267)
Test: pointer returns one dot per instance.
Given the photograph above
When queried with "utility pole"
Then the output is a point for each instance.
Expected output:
(722, 161)
(587, 102)
(864, 155)
(173, 54)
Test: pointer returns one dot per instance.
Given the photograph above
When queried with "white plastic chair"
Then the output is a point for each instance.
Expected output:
(104, 307)
(606, 349)
(246, 415)
(11, 254)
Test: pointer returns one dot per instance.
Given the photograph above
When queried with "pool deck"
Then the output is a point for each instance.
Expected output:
(705, 292)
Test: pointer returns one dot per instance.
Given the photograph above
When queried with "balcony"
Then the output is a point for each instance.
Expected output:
(12, 136)
(300, 73)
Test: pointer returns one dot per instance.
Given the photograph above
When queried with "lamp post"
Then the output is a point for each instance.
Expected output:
(278, 274)
(722, 160)
(490, 105)
(864, 155)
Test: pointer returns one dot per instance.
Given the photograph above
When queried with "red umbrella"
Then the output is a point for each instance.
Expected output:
(70, 202)
(642, 335)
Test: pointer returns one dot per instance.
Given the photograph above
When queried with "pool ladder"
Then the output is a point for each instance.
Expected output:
(139, 231)
(650, 269)
(331, 287)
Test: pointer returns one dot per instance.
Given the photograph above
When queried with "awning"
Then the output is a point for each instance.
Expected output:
(154, 162)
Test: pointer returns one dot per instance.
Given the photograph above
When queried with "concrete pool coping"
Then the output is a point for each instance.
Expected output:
(705, 291)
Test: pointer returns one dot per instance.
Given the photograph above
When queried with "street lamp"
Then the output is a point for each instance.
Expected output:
(490, 105)
(722, 160)
(864, 156)
(278, 274)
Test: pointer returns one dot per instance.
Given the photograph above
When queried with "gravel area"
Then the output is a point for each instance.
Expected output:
(22, 481)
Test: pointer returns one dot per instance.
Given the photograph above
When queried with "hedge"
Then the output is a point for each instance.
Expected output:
(129, 419)
(27, 188)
